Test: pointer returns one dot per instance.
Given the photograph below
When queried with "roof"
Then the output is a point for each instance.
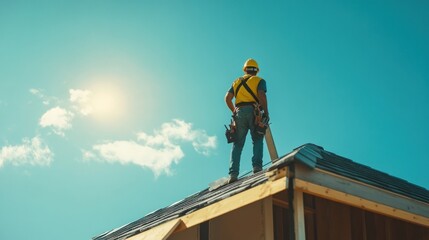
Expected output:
(185, 206)
(310, 155)
(316, 157)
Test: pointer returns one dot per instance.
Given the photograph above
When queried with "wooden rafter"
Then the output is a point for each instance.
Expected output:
(229, 204)
(160, 232)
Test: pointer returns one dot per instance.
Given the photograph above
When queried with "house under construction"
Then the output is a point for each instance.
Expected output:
(309, 193)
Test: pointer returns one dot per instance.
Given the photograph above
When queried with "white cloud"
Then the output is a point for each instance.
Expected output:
(30, 152)
(180, 130)
(158, 160)
(157, 151)
(203, 144)
(35, 92)
(81, 100)
(58, 119)
(39, 93)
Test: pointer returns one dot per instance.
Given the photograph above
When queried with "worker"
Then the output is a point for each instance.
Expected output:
(250, 93)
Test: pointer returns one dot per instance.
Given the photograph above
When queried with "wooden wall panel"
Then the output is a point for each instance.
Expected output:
(322, 219)
(357, 223)
(380, 226)
(397, 229)
(370, 226)
(281, 222)
(340, 227)
(244, 223)
(310, 227)
(310, 217)
(329, 220)
(333, 220)
(415, 232)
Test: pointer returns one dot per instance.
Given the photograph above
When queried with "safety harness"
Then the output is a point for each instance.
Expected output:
(244, 84)
(261, 122)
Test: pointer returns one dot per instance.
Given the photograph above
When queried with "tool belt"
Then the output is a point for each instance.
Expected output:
(261, 120)
(231, 132)
(261, 125)
(243, 104)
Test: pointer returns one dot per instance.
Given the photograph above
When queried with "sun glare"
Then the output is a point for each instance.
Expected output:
(108, 102)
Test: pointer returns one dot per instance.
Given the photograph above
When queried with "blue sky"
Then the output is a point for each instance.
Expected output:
(111, 109)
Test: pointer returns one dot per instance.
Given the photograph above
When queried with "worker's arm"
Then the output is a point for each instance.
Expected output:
(263, 101)
(228, 100)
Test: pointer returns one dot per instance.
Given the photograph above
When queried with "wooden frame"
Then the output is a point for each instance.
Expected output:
(270, 145)
(214, 210)
(234, 202)
(298, 204)
(161, 232)
(348, 199)
(267, 205)
(361, 190)
(312, 181)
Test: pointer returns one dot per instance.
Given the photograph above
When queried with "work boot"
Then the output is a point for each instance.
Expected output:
(232, 179)
(257, 169)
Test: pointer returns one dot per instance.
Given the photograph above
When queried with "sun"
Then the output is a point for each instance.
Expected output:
(107, 102)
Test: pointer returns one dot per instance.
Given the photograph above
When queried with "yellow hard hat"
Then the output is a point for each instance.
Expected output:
(250, 63)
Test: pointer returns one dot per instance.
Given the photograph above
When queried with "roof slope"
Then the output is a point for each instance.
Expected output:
(316, 157)
(308, 154)
(185, 206)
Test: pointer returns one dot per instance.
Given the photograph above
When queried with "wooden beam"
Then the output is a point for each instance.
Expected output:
(231, 203)
(270, 144)
(298, 204)
(276, 174)
(267, 205)
(351, 200)
(161, 232)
